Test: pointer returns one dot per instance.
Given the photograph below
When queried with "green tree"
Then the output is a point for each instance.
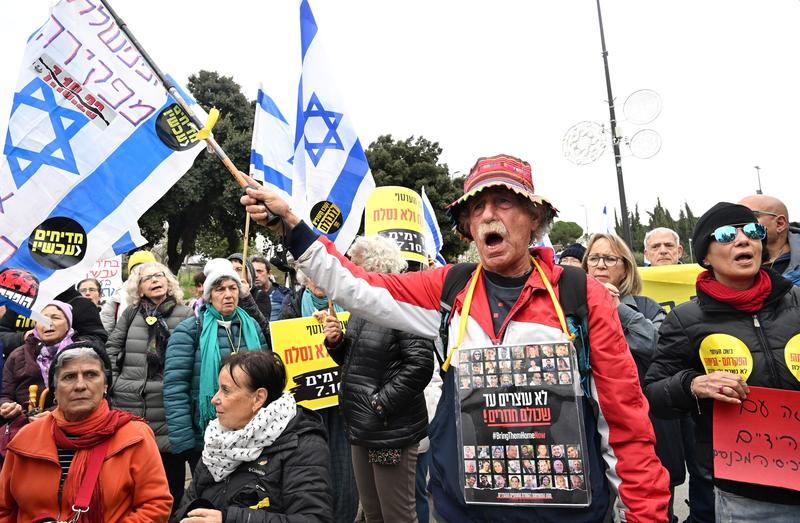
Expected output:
(685, 225)
(206, 198)
(414, 163)
(564, 233)
(660, 217)
(638, 229)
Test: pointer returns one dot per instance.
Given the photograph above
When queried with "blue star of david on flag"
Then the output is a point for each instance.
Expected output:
(331, 119)
(65, 124)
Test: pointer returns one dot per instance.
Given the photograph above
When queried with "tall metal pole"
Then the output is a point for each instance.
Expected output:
(758, 173)
(626, 226)
(586, 220)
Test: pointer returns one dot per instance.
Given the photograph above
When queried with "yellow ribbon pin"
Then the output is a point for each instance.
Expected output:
(205, 132)
(264, 503)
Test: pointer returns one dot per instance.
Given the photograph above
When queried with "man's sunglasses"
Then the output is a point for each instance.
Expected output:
(727, 233)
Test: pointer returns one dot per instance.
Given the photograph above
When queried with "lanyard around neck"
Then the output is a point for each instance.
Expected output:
(464, 314)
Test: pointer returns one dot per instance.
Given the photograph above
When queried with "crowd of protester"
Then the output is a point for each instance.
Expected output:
(106, 407)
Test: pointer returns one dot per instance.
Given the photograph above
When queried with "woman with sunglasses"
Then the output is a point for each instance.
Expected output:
(137, 348)
(737, 298)
(609, 260)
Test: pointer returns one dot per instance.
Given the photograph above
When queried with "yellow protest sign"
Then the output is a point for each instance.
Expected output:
(312, 375)
(792, 355)
(670, 285)
(396, 212)
(726, 352)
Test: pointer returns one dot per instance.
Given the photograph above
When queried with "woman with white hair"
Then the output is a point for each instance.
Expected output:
(383, 377)
(195, 352)
(137, 348)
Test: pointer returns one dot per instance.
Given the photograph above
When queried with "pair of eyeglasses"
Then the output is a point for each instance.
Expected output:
(159, 275)
(766, 213)
(727, 233)
(608, 260)
(89, 289)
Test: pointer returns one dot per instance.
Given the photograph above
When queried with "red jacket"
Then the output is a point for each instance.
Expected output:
(133, 481)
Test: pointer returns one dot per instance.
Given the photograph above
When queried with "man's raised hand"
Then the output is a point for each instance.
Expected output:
(258, 200)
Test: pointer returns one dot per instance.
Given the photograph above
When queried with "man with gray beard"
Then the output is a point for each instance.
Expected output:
(510, 298)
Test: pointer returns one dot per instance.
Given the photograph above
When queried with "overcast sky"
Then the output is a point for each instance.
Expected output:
(483, 78)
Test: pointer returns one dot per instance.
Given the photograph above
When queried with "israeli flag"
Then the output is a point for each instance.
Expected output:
(272, 151)
(332, 180)
(607, 221)
(545, 241)
(93, 141)
(433, 235)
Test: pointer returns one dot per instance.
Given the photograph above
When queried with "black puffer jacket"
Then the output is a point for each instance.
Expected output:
(292, 473)
(391, 366)
(677, 362)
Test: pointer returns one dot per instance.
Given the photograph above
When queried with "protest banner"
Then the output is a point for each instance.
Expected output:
(756, 441)
(312, 375)
(670, 285)
(522, 438)
(396, 213)
(108, 271)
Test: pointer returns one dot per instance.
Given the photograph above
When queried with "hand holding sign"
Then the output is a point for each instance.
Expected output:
(756, 441)
(333, 328)
(720, 386)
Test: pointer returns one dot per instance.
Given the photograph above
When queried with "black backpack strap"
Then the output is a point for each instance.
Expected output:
(454, 282)
(572, 296)
(572, 292)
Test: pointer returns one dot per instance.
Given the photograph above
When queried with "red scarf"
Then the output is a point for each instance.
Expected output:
(101, 425)
(749, 300)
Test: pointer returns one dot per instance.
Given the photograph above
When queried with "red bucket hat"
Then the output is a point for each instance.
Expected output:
(502, 170)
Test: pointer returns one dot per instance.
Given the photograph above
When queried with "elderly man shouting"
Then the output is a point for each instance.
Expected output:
(511, 298)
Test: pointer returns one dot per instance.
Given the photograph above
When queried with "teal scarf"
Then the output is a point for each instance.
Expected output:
(210, 355)
(311, 303)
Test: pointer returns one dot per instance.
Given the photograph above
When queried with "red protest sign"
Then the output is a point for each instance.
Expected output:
(756, 442)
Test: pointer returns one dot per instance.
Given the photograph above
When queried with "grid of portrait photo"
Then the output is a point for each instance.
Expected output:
(524, 467)
(535, 365)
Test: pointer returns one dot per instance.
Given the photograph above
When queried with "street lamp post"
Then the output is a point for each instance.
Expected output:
(586, 220)
(758, 173)
(626, 226)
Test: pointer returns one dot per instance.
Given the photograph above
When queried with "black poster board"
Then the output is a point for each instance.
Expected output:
(521, 434)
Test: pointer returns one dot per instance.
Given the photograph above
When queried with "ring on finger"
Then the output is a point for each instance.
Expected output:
(721, 389)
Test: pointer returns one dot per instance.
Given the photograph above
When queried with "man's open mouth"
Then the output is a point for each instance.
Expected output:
(492, 239)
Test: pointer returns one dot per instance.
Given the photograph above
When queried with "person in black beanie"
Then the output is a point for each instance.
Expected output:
(723, 213)
(572, 255)
(757, 308)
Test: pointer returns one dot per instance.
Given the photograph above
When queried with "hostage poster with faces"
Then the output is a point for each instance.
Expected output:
(521, 432)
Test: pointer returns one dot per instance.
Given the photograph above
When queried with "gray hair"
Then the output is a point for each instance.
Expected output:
(132, 285)
(659, 230)
(77, 353)
(377, 254)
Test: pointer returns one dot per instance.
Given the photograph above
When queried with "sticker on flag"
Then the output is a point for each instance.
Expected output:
(93, 141)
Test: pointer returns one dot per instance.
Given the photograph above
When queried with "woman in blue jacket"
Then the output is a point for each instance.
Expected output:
(195, 352)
